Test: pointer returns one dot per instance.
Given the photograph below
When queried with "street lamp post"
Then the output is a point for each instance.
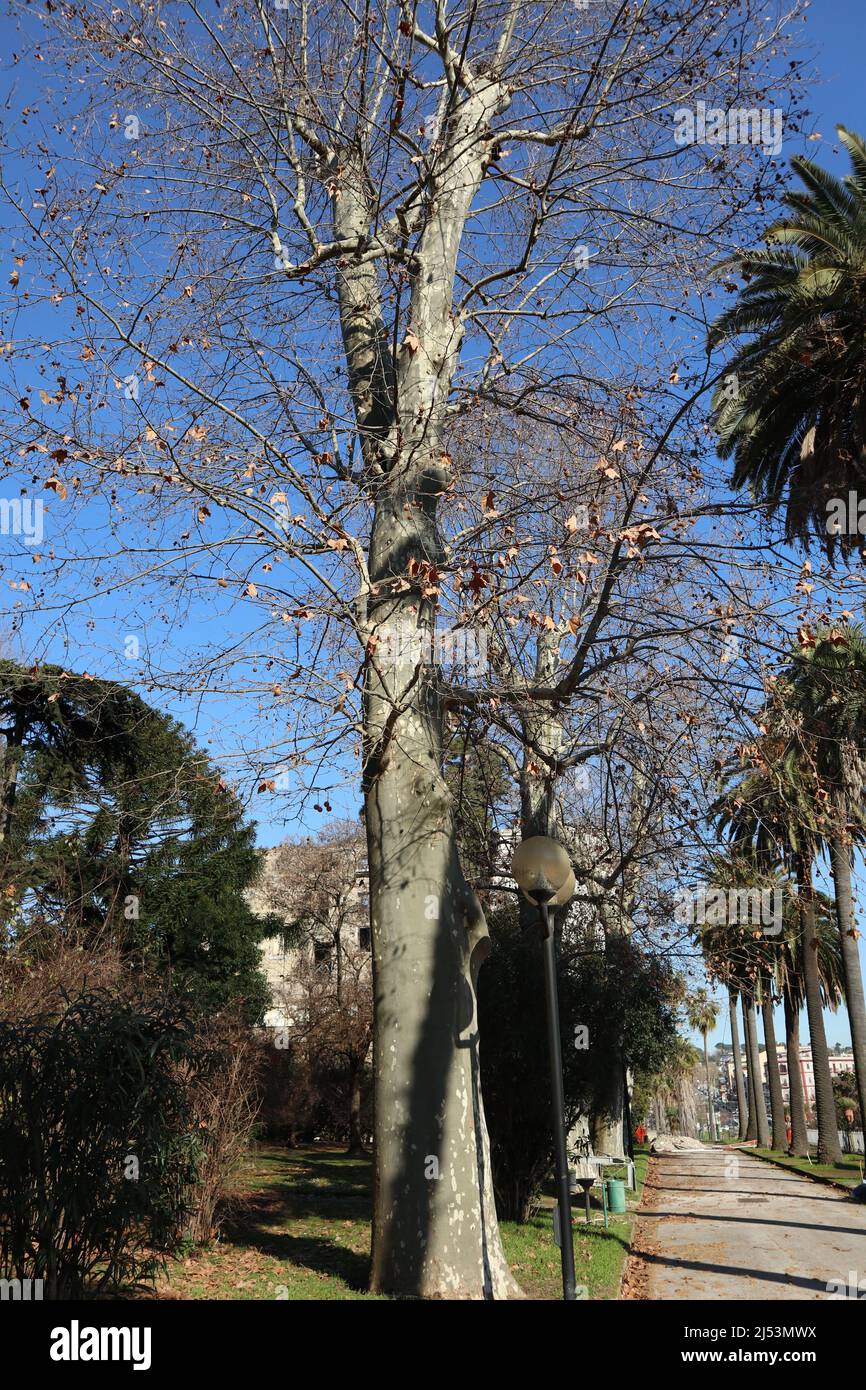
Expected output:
(545, 878)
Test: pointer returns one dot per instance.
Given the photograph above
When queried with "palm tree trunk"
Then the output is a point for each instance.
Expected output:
(661, 1113)
(711, 1119)
(738, 1064)
(799, 1145)
(829, 1150)
(761, 1125)
(777, 1104)
(752, 1111)
(687, 1111)
(840, 859)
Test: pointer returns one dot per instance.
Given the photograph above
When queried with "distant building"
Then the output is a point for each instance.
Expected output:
(347, 922)
(840, 1062)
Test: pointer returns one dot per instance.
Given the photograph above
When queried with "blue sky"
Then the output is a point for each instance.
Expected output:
(836, 30)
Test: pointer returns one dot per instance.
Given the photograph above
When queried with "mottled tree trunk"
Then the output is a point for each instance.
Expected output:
(777, 1104)
(434, 1223)
(542, 734)
(742, 1107)
(435, 1232)
(799, 1145)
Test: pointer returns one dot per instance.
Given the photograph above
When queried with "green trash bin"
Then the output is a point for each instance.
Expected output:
(616, 1195)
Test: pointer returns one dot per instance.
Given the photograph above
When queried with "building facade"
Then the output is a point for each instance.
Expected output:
(840, 1062)
(333, 912)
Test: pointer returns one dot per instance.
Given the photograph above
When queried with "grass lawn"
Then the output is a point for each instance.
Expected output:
(599, 1254)
(847, 1172)
(300, 1229)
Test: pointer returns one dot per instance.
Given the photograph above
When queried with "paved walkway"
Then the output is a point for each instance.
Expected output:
(721, 1224)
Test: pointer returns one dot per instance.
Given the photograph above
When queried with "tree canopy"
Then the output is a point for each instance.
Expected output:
(116, 826)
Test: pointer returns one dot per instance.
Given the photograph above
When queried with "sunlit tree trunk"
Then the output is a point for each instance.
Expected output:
(829, 1150)
(742, 1109)
(759, 1105)
(840, 859)
(711, 1118)
(751, 1133)
(435, 1232)
(799, 1145)
(777, 1104)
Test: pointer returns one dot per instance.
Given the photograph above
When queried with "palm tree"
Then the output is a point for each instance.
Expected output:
(792, 410)
(738, 958)
(774, 1076)
(674, 1089)
(799, 1144)
(791, 982)
(757, 1127)
(701, 1015)
(787, 982)
(728, 952)
(825, 691)
(733, 999)
(770, 814)
(745, 961)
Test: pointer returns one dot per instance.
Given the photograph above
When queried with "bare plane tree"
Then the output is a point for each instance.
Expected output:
(301, 254)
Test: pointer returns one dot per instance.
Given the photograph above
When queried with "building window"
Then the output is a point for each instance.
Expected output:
(323, 953)
(364, 939)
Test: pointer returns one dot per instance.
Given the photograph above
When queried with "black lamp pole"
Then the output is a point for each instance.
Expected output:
(566, 1242)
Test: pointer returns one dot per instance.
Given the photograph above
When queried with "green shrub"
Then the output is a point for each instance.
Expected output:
(99, 1145)
(625, 999)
